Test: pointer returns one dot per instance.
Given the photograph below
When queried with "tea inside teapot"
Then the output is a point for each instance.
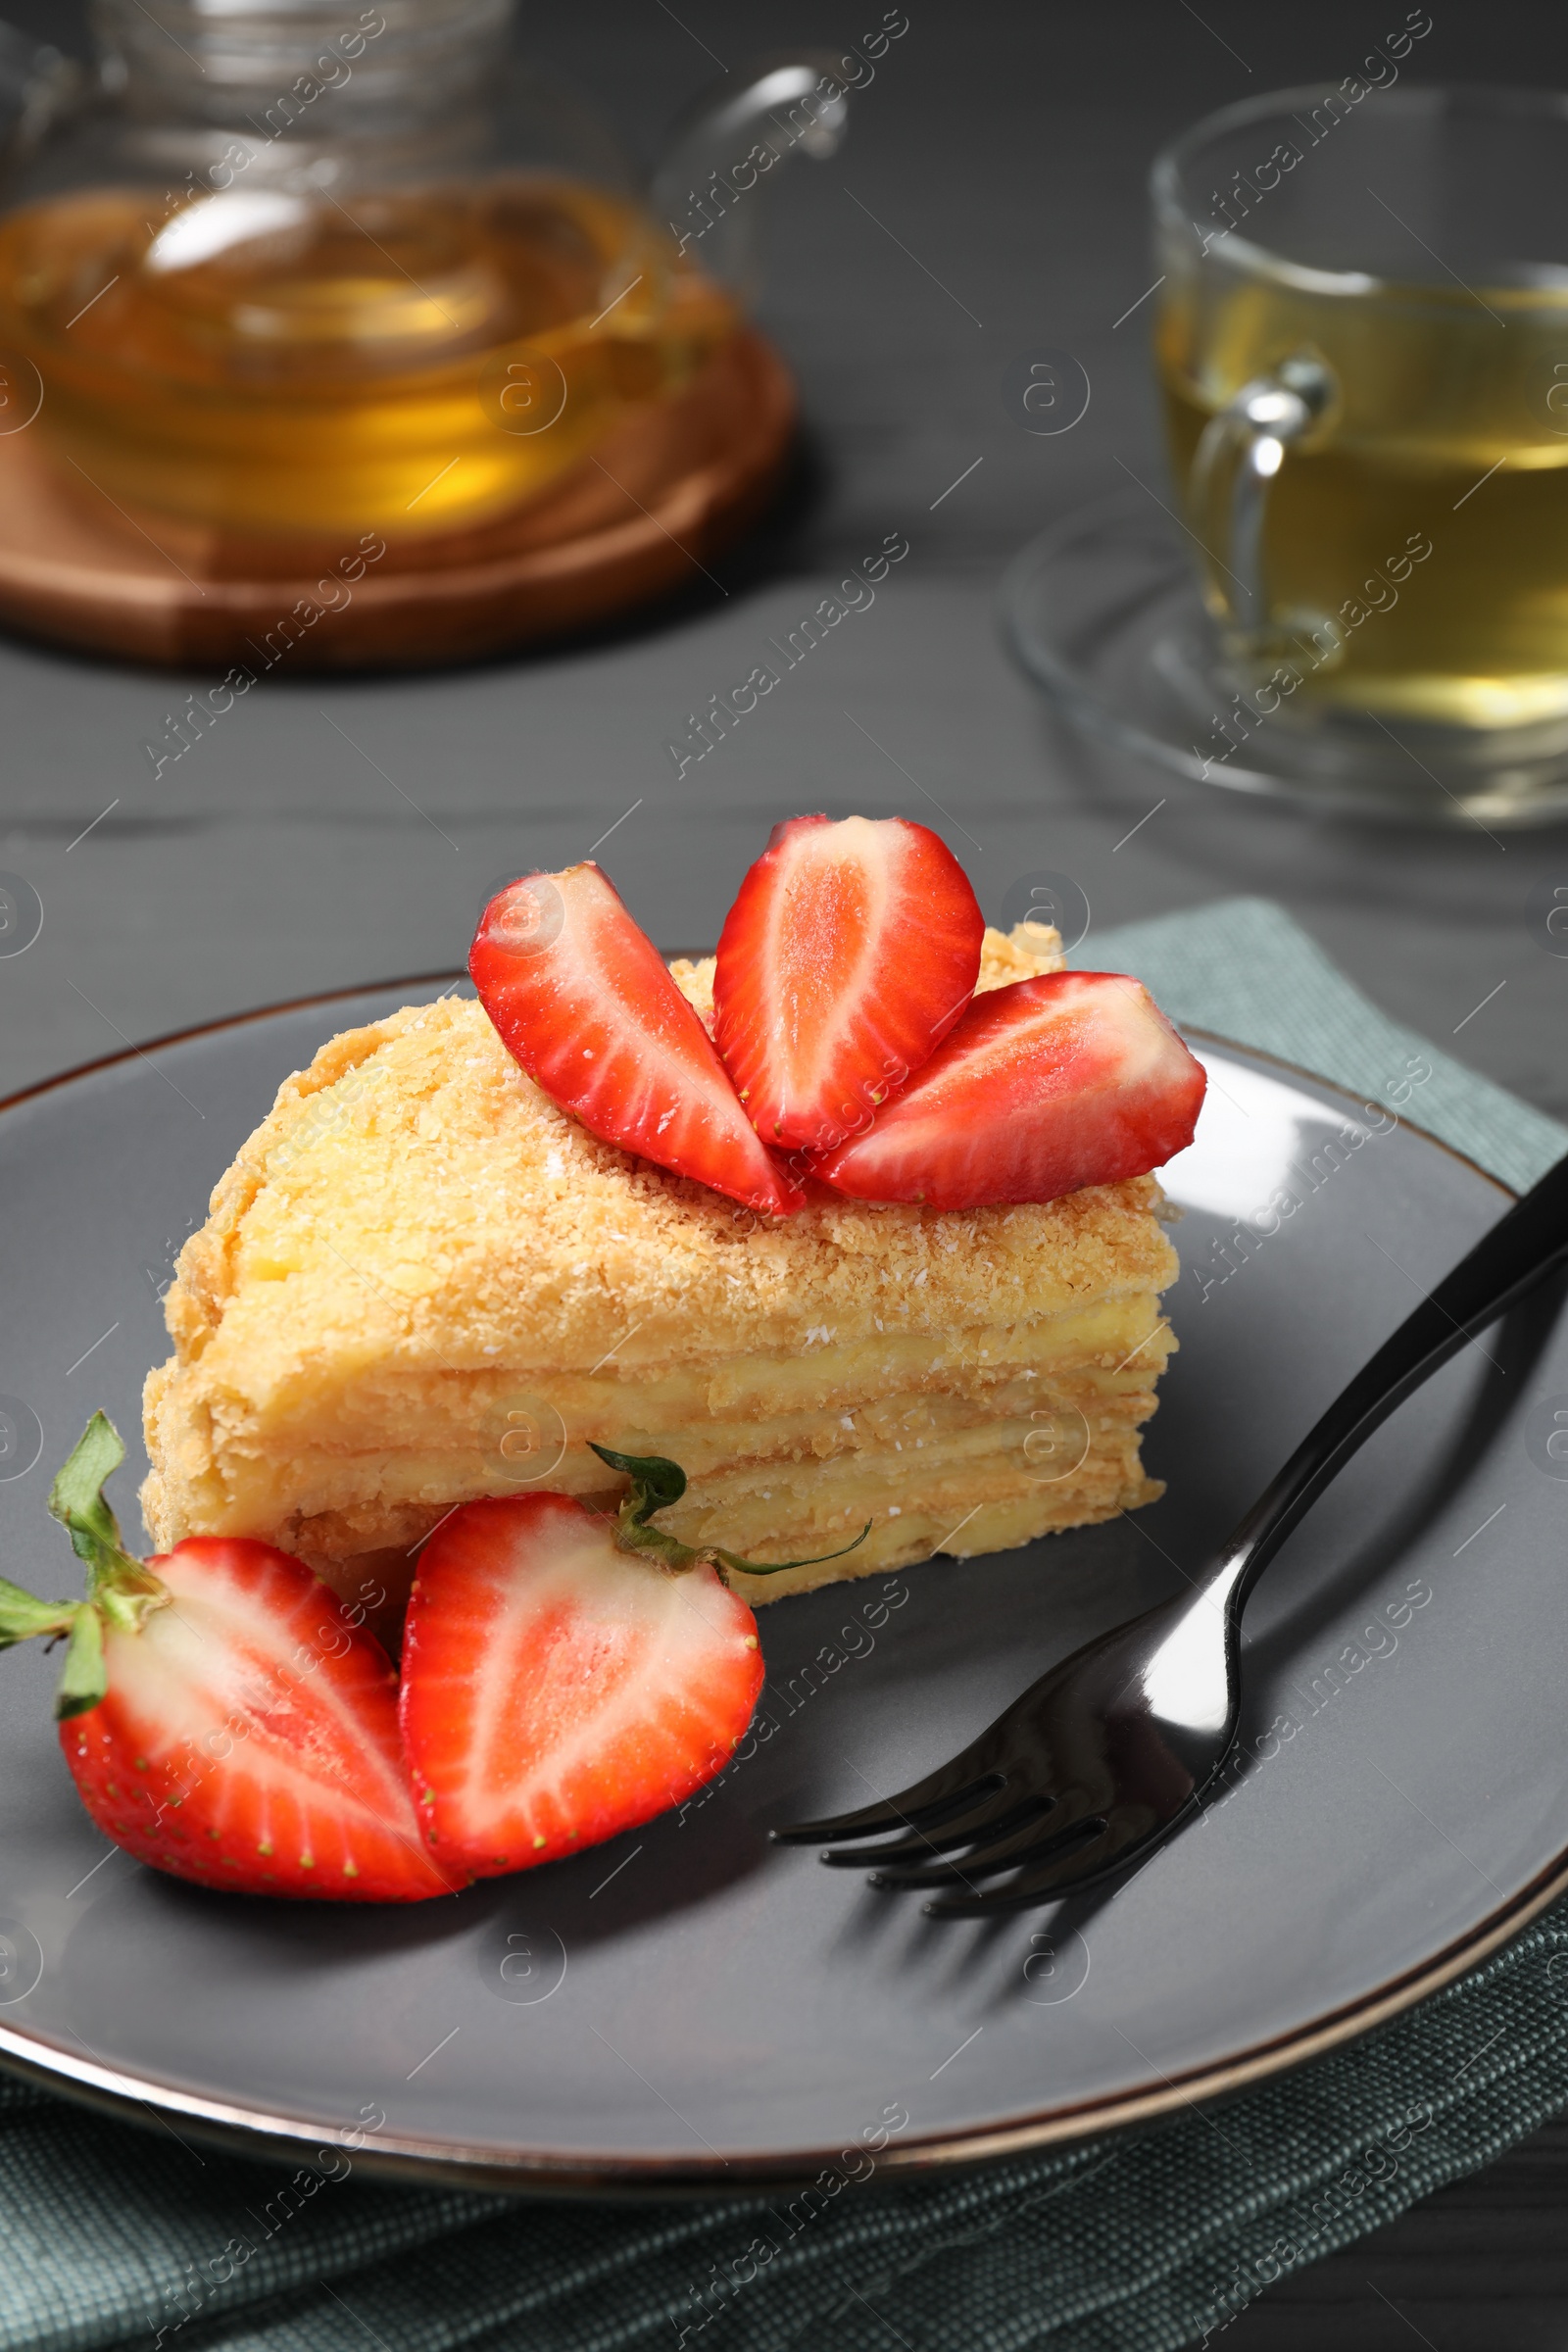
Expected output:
(276, 360)
(285, 276)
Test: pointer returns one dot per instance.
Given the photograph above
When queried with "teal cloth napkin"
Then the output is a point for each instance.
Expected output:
(1244, 971)
(125, 2236)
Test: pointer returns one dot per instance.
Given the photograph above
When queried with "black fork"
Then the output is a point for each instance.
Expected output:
(1110, 1752)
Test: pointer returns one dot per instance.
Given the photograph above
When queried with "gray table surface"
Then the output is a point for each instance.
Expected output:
(990, 198)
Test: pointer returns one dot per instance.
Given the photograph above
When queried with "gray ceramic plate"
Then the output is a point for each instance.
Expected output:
(687, 2006)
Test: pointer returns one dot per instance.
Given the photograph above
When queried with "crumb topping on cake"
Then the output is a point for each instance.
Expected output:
(413, 1195)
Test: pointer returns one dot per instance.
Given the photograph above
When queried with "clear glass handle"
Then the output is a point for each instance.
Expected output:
(1240, 454)
(728, 145)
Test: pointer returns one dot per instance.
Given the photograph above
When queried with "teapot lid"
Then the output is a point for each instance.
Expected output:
(223, 58)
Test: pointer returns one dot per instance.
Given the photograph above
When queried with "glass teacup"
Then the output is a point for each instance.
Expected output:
(1362, 348)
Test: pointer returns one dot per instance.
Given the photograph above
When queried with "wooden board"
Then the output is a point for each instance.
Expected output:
(667, 489)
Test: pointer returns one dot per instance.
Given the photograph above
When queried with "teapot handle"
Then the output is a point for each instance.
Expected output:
(729, 139)
(36, 85)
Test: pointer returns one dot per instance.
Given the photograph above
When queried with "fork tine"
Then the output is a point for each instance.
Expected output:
(1050, 1879)
(938, 1794)
(1001, 1810)
(1032, 1842)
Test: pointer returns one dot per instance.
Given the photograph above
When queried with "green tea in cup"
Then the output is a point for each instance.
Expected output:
(1362, 348)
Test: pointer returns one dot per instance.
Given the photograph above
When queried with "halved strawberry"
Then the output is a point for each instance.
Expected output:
(583, 1000)
(557, 1689)
(849, 953)
(1075, 1078)
(224, 1717)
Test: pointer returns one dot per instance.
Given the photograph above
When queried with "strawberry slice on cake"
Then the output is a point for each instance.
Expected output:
(849, 953)
(1072, 1079)
(584, 1000)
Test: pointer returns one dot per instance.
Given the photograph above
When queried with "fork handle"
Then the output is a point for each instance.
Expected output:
(1520, 1250)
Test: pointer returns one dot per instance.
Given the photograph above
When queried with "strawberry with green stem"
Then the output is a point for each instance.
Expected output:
(222, 1715)
(566, 1676)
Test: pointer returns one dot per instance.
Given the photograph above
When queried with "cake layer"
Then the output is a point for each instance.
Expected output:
(422, 1282)
(449, 1437)
(959, 1507)
(778, 1504)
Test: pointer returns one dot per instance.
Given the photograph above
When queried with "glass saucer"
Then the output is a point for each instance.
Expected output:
(1103, 613)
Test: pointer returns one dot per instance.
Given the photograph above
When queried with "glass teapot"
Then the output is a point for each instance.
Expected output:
(309, 267)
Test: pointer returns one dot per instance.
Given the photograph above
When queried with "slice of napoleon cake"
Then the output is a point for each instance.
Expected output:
(422, 1282)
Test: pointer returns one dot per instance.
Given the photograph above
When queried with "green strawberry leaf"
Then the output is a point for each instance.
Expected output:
(120, 1589)
(728, 1559)
(76, 1499)
(22, 1617)
(85, 1679)
(657, 1483)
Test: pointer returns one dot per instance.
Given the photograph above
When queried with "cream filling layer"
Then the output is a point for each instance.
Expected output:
(447, 1438)
(384, 1407)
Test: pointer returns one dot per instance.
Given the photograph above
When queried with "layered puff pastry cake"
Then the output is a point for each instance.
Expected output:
(422, 1282)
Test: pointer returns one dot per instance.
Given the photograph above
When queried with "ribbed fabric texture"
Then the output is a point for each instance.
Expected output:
(119, 2235)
